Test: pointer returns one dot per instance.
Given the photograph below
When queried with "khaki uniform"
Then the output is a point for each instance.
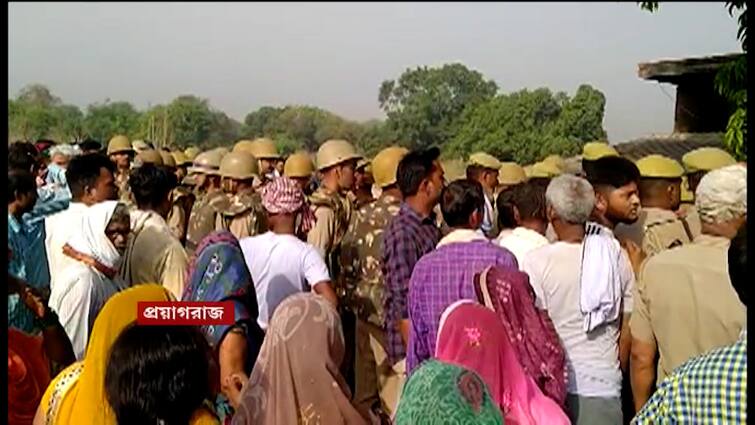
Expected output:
(178, 217)
(333, 214)
(685, 302)
(154, 255)
(124, 191)
(243, 216)
(656, 230)
(693, 219)
(361, 288)
(203, 217)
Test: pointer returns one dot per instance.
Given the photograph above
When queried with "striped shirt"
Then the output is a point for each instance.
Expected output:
(710, 389)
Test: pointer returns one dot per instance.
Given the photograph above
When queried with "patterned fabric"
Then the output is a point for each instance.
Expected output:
(440, 393)
(28, 376)
(28, 262)
(529, 329)
(296, 379)
(361, 287)
(217, 272)
(406, 239)
(283, 195)
(710, 389)
(472, 336)
(439, 279)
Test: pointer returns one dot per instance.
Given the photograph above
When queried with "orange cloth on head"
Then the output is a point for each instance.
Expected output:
(28, 376)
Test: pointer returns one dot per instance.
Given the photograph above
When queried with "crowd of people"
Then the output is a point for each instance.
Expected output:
(375, 291)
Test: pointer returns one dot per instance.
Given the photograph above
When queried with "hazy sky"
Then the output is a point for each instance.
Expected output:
(335, 55)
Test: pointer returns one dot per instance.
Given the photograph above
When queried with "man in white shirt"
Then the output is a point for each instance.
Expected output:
(91, 181)
(279, 262)
(528, 200)
(595, 358)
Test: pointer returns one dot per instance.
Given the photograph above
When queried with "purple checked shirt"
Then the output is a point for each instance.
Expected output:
(406, 239)
(441, 278)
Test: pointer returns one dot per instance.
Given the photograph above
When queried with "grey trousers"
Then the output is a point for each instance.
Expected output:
(594, 410)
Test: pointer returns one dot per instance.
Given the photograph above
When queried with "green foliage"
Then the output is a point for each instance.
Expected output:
(526, 126)
(650, 6)
(424, 103)
(257, 123)
(69, 124)
(104, 120)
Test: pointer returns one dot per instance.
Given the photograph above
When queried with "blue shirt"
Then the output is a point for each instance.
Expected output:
(29, 262)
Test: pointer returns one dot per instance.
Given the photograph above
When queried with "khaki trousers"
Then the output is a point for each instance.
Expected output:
(378, 383)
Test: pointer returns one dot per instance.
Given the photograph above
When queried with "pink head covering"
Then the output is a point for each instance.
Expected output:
(472, 336)
(283, 196)
(531, 332)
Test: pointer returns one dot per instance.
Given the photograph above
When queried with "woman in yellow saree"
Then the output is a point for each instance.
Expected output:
(77, 395)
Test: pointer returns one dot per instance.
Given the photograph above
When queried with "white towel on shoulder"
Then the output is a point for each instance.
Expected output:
(600, 278)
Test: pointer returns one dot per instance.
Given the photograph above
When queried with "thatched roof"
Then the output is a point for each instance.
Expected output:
(672, 145)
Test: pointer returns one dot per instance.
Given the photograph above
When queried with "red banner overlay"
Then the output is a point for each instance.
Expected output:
(185, 313)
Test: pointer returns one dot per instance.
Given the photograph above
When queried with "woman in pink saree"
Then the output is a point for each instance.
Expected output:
(530, 331)
(472, 336)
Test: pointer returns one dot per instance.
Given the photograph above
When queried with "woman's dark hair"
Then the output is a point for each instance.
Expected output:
(613, 172)
(19, 182)
(23, 156)
(415, 167)
(505, 206)
(90, 145)
(151, 185)
(738, 264)
(459, 200)
(84, 170)
(158, 373)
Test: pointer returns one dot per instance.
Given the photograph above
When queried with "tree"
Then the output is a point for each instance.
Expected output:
(70, 124)
(423, 104)
(730, 82)
(191, 120)
(39, 95)
(582, 116)
(257, 123)
(526, 126)
(104, 120)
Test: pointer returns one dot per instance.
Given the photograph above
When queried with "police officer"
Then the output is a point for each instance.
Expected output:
(509, 175)
(658, 227)
(299, 168)
(698, 163)
(336, 162)
(363, 181)
(243, 215)
(121, 153)
(484, 168)
(191, 152)
(182, 164)
(266, 153)
(210, 199)
(592, 152)
(361, 287)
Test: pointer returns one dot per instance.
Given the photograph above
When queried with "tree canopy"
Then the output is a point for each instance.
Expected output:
(424, 103)
(525, 126)
(451, 106)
